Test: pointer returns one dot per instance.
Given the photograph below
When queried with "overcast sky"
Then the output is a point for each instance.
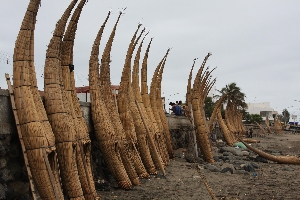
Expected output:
(255, 44)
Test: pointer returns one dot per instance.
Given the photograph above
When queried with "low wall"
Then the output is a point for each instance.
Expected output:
(180, 130)
(13, 175)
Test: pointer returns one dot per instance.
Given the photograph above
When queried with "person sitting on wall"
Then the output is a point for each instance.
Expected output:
(172, 108)
(177, 110)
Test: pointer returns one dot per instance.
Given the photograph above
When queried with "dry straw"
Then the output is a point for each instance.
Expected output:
(104, 130)
(105, 88)
(83, 148)
(36, 132)
(57, 109)
(198, 95)
(153, 131)
(128, 112)
(153, 100)
(162, 115)
(142, 139)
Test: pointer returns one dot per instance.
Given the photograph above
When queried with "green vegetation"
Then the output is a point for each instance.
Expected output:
(252, 118)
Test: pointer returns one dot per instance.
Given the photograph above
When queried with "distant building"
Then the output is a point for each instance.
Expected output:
(262, 109)
(83, 93)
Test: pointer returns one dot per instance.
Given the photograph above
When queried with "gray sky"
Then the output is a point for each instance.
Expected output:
(253, 43)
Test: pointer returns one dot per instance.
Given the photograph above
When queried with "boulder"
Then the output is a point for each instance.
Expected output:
(226, 167)
(249, 168)
(233, 150)
(260, 159)
(213, 168)
(227, 153)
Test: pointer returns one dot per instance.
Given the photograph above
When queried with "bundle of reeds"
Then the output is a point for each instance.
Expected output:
(189, 86)
(228, 136)
(105, 133)
(153, 101)
(268, 124)
(277, 126)
(130, 116)
(162, 115)
(35, 128)
(233, 117)
(261, 129)
(144, 115)
(279, 159)
(57, 108)
(201, 87)
(154, 131)
(83, 148)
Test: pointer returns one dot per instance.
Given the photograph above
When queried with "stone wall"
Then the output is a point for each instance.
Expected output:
(180, 129)
(13, 175)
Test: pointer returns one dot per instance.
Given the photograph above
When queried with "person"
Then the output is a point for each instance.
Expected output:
(250, 132)
(177, 110)
(172, 107)
(183, 111)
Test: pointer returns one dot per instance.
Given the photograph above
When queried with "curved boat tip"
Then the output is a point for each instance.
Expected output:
(279, 159)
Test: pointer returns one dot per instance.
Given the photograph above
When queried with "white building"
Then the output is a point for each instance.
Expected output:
(263, 109)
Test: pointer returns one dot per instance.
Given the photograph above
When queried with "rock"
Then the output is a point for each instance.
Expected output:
(237, 162)
(216, 158)
(255, 165)
(2, 192)
(224, 158)
(5, 175)
(189, 157)
(199, 160)
(226, 167)
(14, 168)
(14, 151)
(213, 168)
(233, 150)
(227, 154)
(17, 189)
(238, 152)
(260, 159)
(3, 163)
(245, 153)
(287, 168)
(249, 168)
(221, 144)
(224, 149)
(2, 149)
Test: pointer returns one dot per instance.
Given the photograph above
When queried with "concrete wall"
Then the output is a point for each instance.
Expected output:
(13, 176)
(262, 109)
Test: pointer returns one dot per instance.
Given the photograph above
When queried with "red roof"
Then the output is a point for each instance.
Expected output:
(86, 89)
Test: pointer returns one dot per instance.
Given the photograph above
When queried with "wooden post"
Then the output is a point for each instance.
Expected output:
(194, 132)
